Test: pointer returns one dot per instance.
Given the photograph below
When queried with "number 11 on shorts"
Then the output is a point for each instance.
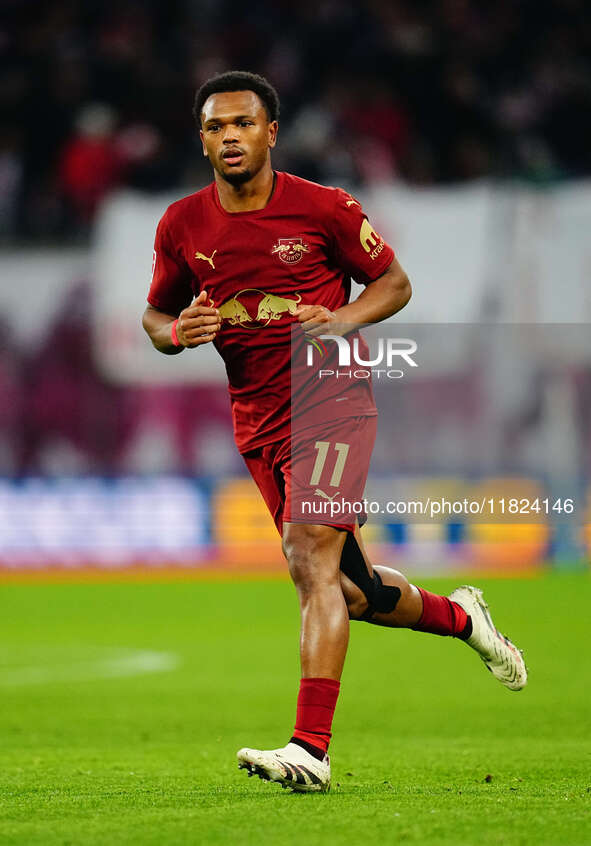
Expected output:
(322, 448)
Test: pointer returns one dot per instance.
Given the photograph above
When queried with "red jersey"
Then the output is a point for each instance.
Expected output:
(303, 247)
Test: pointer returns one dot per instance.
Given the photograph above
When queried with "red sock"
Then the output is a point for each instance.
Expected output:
(442, 616)
(317, 700)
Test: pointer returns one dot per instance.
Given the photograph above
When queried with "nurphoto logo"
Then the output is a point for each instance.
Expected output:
(388, 351)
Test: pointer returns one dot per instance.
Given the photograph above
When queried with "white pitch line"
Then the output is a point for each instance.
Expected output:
(120, 663)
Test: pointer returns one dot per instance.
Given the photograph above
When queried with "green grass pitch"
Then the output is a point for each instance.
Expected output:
(427, 748)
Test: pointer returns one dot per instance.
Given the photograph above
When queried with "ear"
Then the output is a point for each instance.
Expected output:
(203, 143)
(273, 129)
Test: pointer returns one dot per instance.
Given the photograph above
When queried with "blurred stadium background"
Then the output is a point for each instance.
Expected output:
(465, 132)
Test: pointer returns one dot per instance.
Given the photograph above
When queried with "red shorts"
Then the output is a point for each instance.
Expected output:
(319, 475)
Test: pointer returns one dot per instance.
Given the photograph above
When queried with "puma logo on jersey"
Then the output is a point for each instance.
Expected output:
(208, 259)
(321, 493)
(352, 202)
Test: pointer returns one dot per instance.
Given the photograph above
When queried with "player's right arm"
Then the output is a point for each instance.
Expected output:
(196, 325)
(173, 318)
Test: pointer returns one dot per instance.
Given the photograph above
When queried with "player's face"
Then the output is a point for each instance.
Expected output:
(236, 134)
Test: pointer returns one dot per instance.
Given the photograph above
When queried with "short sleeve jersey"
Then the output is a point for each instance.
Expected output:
(256, 267)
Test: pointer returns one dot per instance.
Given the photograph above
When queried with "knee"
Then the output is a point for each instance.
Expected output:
(377, 597)
(355, 600)
(357, 606)
(310, 553)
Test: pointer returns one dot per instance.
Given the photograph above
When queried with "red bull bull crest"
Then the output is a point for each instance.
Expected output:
(290, 250)
(252, 308)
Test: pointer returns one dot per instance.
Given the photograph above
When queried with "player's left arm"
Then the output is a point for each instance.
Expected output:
(362, 254)
(380, 299)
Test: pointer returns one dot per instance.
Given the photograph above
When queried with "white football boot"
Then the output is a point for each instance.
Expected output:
(503, 658)
(291, 766)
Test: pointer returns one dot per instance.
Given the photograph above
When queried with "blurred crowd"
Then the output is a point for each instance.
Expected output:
(98, 95)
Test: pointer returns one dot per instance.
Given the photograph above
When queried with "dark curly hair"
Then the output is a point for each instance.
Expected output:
(238, 81)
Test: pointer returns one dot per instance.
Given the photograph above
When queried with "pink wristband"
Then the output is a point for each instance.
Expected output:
(173, 334)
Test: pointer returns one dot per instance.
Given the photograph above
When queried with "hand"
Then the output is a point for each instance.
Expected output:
(317, 320)
(198, 323)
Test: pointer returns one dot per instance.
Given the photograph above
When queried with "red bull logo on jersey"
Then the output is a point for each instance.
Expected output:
(272, 307)
(234, 312)
(252, 308)
(290, 250)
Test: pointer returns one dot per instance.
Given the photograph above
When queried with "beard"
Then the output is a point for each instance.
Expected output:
(237, 178)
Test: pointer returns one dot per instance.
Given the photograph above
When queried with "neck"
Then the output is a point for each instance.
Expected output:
(252, 195)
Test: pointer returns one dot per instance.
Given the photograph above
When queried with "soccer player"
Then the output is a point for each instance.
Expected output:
(239, 264)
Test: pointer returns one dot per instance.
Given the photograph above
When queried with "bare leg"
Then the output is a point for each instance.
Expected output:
(408, 609)
(314, 557)
(313, 554)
